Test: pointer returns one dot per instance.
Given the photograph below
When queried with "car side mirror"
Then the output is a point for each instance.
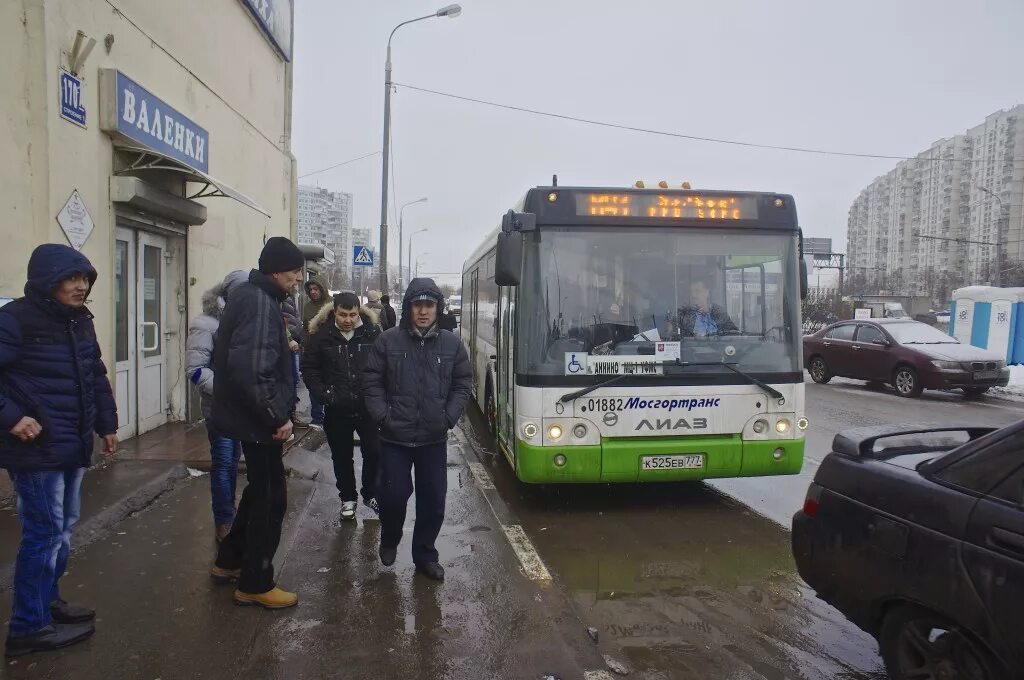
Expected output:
(882, 343)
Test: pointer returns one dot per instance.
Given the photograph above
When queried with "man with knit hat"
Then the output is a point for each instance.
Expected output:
(253, 401)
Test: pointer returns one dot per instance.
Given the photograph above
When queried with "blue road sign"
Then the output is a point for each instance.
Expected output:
(362, 256)
(72, 107)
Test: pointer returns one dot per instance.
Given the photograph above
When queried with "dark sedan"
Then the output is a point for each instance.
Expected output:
(918, 539)
(909, 355)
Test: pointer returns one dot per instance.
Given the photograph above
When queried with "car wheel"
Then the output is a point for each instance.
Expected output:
(906, 382)
(819, 371)
(918, 644)
(974, 392)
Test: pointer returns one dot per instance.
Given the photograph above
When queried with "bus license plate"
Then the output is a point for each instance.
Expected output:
(688, 462)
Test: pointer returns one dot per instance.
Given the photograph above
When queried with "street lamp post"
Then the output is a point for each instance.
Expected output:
(401, 277)
(409, 250)
(451, 11)
(418, 262)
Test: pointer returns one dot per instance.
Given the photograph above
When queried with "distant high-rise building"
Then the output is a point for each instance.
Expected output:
(951, 216)
(325, 218)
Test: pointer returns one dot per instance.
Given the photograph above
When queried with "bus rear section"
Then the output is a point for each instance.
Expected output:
(640, 335)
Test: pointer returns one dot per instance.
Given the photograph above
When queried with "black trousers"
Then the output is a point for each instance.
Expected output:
(340, 426)
(257, 529)
(429, 465)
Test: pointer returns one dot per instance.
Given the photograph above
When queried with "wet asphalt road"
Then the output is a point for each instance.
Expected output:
(687, 581)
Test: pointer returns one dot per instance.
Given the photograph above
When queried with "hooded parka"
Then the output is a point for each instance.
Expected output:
(310, 308)
(417, 384)
(332, 366)
(202, 335)
(51, 370)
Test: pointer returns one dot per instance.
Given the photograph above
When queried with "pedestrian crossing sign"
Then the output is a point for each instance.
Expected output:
(362, 256)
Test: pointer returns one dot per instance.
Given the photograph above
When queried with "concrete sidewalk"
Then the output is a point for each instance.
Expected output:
(161, 616)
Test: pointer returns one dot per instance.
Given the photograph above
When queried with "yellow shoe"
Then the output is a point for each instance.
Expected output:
(221, 575)
(275, 598)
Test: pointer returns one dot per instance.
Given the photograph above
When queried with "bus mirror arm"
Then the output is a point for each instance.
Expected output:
(513, 221)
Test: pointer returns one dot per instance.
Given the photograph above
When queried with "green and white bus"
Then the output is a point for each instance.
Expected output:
(624, 335)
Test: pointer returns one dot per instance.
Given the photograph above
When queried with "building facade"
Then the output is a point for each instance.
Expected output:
(325, 218)
(119, 115)
(951, 216)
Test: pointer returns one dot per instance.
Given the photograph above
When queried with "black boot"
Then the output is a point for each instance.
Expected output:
(387, 555)
(52, 637)
(431, 570)
(62, 612)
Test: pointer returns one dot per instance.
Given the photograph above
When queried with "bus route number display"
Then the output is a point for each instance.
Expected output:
(667, 206)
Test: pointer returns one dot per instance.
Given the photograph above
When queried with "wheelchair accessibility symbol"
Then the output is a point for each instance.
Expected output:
(573, 366)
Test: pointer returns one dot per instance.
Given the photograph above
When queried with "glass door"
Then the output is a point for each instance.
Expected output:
(151, 323)
(124, 334)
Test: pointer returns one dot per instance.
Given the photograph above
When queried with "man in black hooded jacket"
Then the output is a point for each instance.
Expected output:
(417, 382)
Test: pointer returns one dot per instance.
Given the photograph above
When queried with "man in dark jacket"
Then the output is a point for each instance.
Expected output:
(54, 394)
(388, 317)
(253, 401)
(333, 361)
(417, 382)
(317, 300)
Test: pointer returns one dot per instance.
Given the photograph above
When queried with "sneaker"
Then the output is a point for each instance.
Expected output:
(52, 637)
(62, 612)
(371, 503)
(348, 511)
(275, 598)
(387, 555)
(431, 570)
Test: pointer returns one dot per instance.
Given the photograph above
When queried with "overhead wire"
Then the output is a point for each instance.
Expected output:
(681, 135)
(338, 165)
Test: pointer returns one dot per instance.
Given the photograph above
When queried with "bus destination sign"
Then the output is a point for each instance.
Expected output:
(668, 206)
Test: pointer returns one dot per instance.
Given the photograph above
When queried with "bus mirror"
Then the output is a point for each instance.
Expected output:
(803, 279)
(513, 221)
(509, 260)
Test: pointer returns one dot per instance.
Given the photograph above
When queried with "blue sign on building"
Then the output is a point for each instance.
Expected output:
(275, 19)
(362, 256)
(72, 105)
(144, 118)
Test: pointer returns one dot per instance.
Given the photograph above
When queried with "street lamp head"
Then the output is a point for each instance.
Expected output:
(451, 11)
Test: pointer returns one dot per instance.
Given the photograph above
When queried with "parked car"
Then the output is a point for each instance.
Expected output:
(909, 355)
(455, 305)
(916, 534)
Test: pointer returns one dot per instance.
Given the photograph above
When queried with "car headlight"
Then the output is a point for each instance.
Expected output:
(946, 365)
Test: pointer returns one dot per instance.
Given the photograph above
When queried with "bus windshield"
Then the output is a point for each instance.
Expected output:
(726, 295)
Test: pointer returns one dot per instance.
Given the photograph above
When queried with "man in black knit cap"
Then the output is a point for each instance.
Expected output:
(253, 401)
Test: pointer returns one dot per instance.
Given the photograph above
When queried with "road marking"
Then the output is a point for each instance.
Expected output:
(533, 567)
(483, 480)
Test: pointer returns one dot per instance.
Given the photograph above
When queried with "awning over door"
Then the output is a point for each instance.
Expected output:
(139, 160)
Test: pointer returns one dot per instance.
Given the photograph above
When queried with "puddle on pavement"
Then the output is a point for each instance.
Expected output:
(686, 582)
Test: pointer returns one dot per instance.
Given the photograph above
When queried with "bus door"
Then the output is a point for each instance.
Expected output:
(474, 296)
(505, 365)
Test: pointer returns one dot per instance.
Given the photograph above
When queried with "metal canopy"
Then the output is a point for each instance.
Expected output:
(141, 160)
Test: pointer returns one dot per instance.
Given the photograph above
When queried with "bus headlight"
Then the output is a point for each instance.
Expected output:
(782, 426)
(760, 426)
(559, 460)
(777, 454)
(529, 430)
(802, 424)
(555, 432)
(579, 431)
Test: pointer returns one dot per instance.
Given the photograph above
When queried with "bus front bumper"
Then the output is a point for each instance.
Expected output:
(622, 459)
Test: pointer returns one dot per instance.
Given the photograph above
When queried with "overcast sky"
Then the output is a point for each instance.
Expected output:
(873, 76)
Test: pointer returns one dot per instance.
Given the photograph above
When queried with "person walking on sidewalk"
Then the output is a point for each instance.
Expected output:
(225, 452)
(317, 299)
(417, 382)
(333, 361)
(253, 401)
(54, 394)
(388, 318)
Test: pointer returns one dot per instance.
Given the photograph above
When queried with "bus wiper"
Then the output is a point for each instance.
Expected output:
(587, 390)
(732, 367)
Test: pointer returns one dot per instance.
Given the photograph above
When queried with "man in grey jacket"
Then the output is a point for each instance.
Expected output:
(224, 451)
(416, 384)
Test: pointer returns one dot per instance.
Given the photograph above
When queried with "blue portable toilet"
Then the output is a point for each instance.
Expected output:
(986, 317)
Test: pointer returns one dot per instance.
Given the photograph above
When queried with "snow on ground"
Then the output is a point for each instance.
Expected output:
(1015, 390)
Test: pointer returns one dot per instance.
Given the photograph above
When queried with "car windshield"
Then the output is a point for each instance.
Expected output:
(919, 334)
(728, 295)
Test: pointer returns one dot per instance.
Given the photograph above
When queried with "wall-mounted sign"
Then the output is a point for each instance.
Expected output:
(72, 104)
(76, 221)
(133, 112)
(275, 20)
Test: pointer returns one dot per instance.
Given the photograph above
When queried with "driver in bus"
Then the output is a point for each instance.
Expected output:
(702, 317)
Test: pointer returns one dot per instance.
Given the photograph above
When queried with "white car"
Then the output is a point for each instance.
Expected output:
(455, 305)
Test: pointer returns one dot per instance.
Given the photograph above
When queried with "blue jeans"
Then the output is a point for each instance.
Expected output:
(224, 456)
(49, 504)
